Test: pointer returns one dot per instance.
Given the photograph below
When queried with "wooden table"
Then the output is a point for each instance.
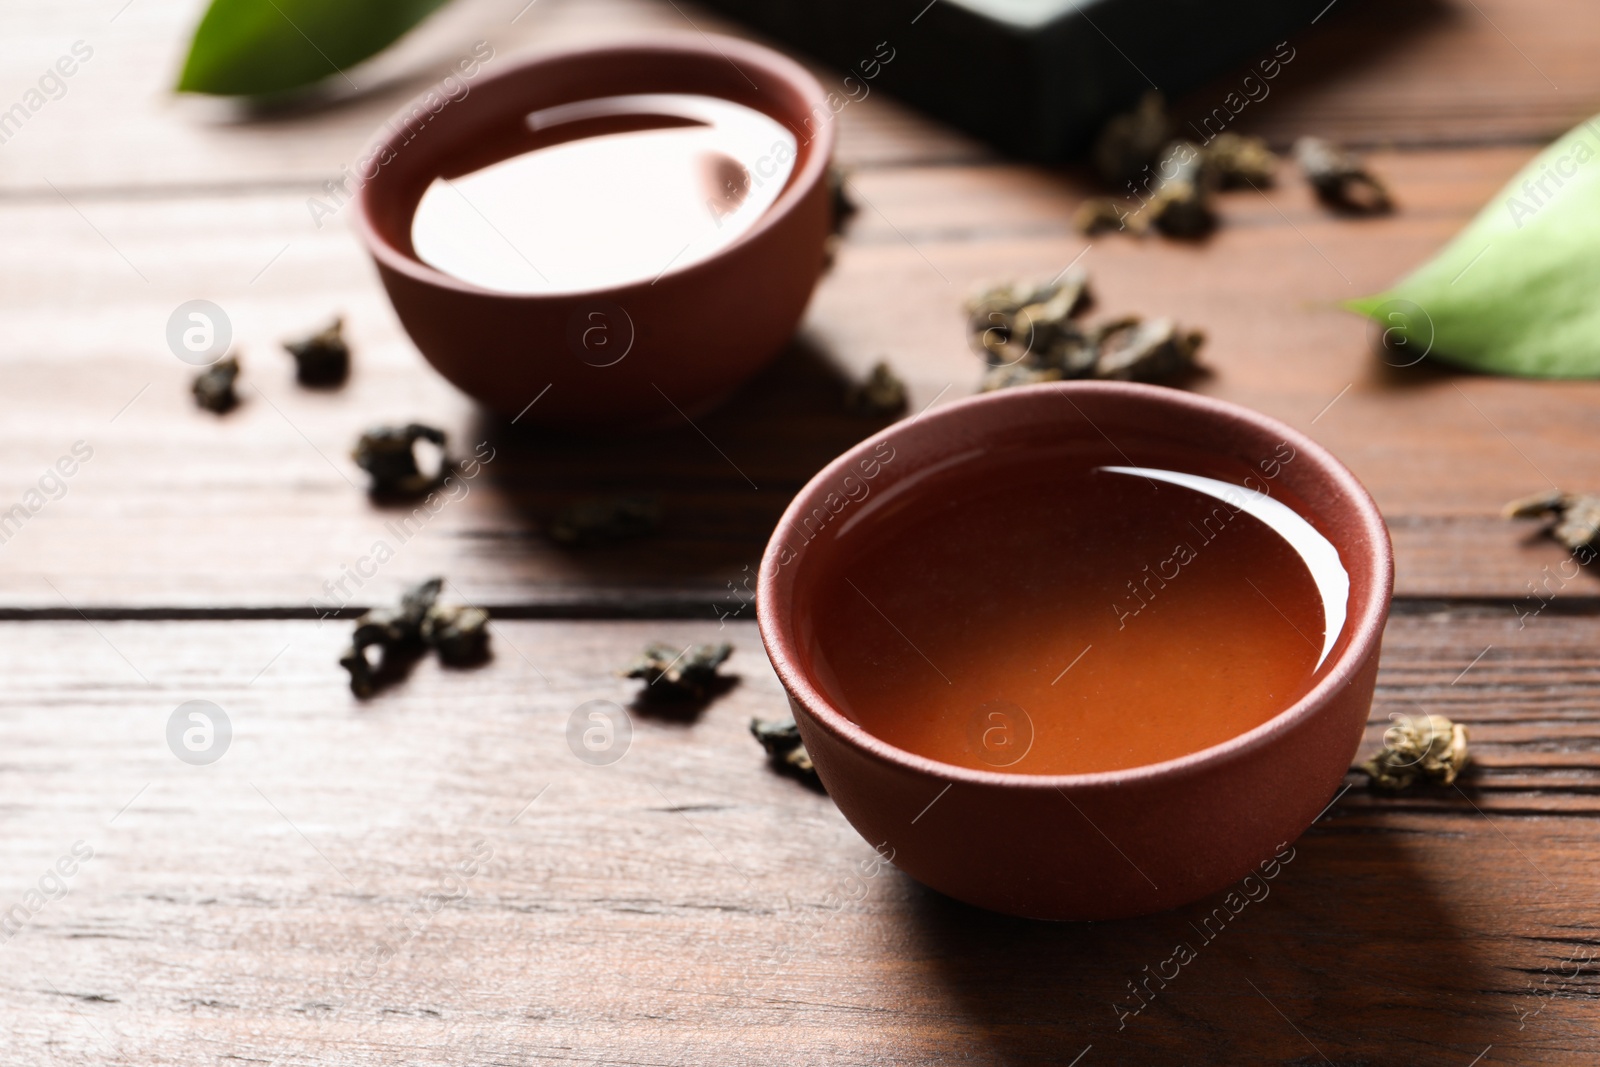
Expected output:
(432, 877)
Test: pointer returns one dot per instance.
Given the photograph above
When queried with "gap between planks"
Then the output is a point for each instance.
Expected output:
(677, 604)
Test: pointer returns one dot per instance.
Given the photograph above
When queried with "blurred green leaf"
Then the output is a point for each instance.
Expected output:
(259, 47)
(1518, 291)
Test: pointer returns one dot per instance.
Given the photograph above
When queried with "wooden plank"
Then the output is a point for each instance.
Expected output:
(260, 508)
(685, 904)
(118, 128)
(1420, 72)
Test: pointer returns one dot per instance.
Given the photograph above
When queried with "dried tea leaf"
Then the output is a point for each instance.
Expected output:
(785, 751)
(1422, 748)
(605, 520)
(1102, 214)
(674, 674)
(1027, 334)
(213, 387)
(1577, 516)
(1131, 142)
(363, 676)
(844, 208)
(1150, 350)
(1235, 160)
(882, 393)
(388, 455)
(1340, 179)
(1514, 292)
(1180, 204)
(459, 633)
(323, 358)
(1023, 323)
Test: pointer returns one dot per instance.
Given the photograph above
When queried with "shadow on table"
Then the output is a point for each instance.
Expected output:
(722, 482)
(1351, 958)
(1354, 35)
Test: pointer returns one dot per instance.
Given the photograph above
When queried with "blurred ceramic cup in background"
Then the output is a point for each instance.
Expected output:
(625, 233)
(1080, 650)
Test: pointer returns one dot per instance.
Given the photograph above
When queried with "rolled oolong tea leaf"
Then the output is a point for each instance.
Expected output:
(213, 387)
(882, 393)
(1340, 179)
(1235, 160)
(1180, 204)
(458, 632)
(322, 359)
(363, 676)
(1027, 334)
(1102, 214)
(1018, 321)
(844, 208)
(1421, 748)
(1132, 141)
(388, 455)
(395, 631)
(605, 520)
(1145, 350)
(785, 751)
(1576, 515)
(262, 47)
(1514, 292)
(679, 674)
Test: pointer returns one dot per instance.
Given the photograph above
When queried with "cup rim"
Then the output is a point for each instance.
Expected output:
(707, 47)
(774, 600)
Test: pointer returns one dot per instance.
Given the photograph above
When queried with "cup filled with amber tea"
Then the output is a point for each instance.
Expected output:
(607, 237)
(1080, 650)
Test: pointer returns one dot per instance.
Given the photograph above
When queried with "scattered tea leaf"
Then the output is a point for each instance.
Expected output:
(401, 633)
(844, 208)
(1422, 748)
(1131, 142)
(396, 632)
(458, 632)
(785, 751)
(1100, 214)
(1027, 334)
(1514, 292)
(674, 674)
(388, 455)
(1236, 160)
(1180, 204)
(1145, 350)
(213, 387)
(261, 47)
(605, 520)
(322, 359)
(882, 393)
(1576, 515)
(1019, 321)
(1340, 179)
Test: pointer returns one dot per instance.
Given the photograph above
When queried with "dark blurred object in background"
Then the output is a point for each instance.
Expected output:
(1036, 78)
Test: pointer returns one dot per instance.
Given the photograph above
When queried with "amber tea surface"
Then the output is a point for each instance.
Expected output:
(1074, 609)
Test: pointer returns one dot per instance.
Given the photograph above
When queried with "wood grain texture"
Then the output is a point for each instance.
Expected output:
(262, 506)
(687, 905)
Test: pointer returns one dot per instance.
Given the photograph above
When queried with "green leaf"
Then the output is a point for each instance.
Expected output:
(259, 47)
(1517, 291)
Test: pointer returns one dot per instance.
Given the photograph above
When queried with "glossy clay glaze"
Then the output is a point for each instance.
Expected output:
(1092, 845)
(627, 356)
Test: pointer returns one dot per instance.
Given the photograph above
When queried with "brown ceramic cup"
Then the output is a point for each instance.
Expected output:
(621, 357)
(1084, 846)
